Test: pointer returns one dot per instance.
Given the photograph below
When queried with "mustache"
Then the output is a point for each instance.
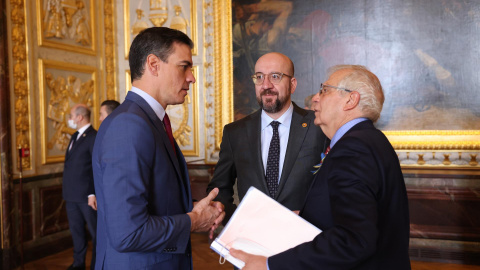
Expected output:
(268, 92)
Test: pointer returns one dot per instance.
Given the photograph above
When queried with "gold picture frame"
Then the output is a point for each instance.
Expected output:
(70, 27)
(193, 34)
(61, 86)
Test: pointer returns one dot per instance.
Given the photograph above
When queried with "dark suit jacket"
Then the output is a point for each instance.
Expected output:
(241, 160)
(358, 199)
(143, 192)
(77, 172)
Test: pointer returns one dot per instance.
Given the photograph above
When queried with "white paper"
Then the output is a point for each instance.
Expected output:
(262, 226)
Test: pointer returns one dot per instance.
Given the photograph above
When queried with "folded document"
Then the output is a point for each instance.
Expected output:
(262, 226)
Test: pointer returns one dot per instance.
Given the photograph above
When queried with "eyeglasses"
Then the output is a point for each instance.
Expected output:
(324, 90)
(274, 77)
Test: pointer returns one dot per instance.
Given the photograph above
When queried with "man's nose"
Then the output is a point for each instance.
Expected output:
(267, 83)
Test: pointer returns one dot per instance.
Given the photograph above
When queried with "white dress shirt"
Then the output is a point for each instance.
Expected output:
(283, 132)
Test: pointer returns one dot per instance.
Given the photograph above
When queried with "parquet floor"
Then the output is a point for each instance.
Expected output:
(206, 259)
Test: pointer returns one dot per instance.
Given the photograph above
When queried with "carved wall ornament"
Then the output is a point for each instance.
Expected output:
(62, 85)
(159, 13)
(178, 22)
(67, 25)
(20, 79)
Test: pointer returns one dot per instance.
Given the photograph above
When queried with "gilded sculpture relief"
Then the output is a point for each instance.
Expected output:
(64, 23)
(62, 85)
(20, 80)
(67, 19)
(65, 92)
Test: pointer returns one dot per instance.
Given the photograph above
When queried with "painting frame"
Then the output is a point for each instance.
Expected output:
(463, 145)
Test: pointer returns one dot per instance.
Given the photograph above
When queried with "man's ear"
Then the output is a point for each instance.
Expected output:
(152, 64)
(293, 83)
(352, 101)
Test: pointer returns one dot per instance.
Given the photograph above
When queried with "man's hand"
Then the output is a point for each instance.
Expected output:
(92, 202)
(206, 214)
(252, 262)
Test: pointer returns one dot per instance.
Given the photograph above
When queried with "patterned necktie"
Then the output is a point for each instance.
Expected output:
(273, 161)
(73, 140)
(168, 128)
(328, 150)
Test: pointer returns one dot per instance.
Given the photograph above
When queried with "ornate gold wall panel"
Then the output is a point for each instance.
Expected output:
(159, 13)
(62, 85)
(74, 38)
(20, 67)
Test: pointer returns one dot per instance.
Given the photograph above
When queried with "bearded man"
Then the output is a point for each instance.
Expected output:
(273, 149)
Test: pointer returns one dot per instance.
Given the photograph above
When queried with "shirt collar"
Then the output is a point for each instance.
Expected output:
(82, 130)
(285, 119)
(343, 129)
(154, 104)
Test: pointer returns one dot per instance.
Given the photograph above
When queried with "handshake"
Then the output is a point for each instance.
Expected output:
(207, 215)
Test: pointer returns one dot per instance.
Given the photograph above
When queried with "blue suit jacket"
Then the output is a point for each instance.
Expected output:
(359, 200)
(143, 192)
(77, 173)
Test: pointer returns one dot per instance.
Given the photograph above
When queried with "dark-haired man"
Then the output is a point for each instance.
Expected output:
(145, 213)
(107, 108)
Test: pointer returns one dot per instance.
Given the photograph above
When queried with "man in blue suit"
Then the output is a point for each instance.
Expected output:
(78, 187)
(145, 213)
(358, 198)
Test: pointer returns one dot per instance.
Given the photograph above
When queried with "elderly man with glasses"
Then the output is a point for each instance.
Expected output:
(275, 148)
(358, 198)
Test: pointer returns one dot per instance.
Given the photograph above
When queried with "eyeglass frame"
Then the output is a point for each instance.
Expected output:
(269, 75)
(322, 88)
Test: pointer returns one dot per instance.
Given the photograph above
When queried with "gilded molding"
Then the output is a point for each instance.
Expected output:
(222, 24)
(20, 78)
(110, 58)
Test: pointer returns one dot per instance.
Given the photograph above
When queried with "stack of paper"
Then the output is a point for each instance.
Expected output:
(262, 226)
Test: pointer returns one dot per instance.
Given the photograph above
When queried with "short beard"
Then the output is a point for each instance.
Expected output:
(273, 108)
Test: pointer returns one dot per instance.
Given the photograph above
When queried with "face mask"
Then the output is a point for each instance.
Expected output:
(71, 124)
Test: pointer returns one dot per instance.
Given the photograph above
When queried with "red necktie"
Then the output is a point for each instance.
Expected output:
(168, 128)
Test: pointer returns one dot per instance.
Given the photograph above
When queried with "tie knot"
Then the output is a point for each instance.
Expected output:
(328, 150)
(275, 125)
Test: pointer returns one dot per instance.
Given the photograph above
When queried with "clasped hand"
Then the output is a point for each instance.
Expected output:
(207, 215)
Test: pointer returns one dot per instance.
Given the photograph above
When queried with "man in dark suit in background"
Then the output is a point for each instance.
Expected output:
(275, 148)
(107, 108)
(78, 187)
(145, 213)
(358, 198)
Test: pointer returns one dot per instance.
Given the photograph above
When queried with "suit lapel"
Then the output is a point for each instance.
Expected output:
(254, 136)
(78, 141)
(157, 123)
(298, 131)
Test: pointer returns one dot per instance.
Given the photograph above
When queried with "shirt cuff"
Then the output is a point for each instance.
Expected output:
(91, 195)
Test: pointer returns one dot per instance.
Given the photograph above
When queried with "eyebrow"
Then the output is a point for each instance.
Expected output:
(183, 62)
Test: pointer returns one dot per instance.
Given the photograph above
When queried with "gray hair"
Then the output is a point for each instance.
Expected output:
(363, 81)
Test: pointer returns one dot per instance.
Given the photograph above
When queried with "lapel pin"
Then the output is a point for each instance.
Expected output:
(304, 125)
(84, 135)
